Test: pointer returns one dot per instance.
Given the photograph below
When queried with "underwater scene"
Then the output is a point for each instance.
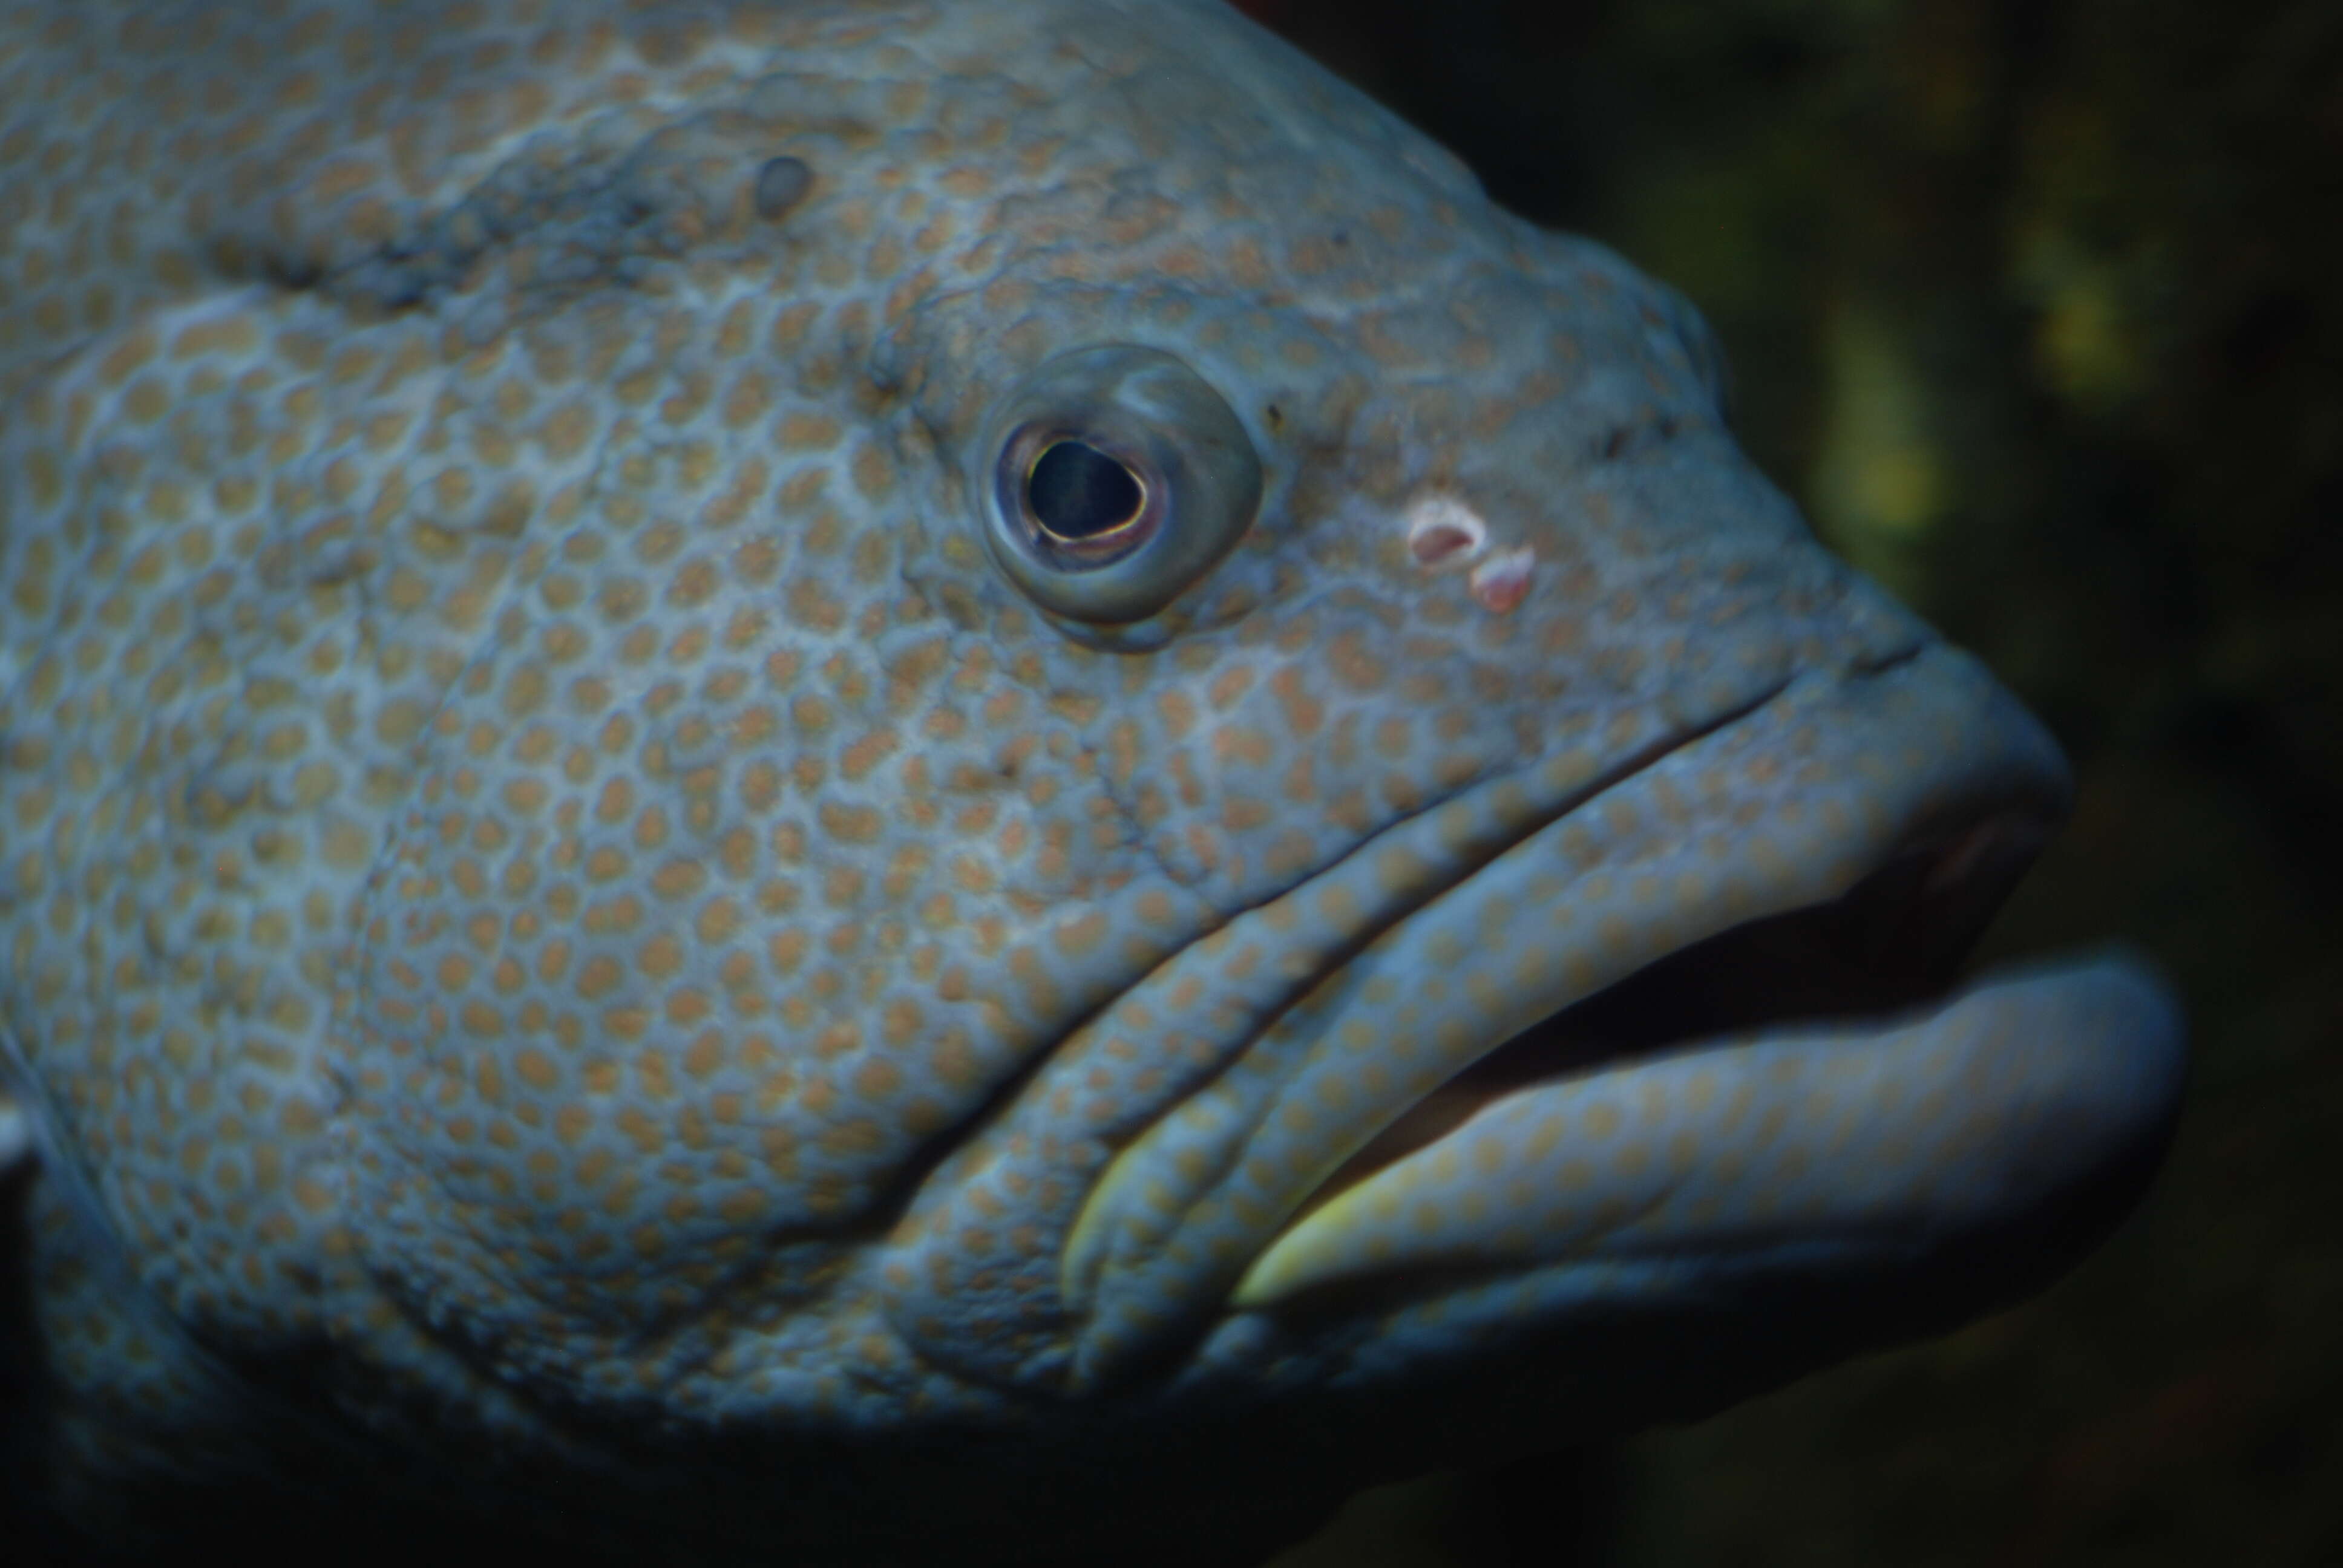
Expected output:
(935, 783)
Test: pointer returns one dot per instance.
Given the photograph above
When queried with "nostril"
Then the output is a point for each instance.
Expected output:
(1649, 428)
(1873, 663)
(1502, 580)
(1440, 541)
(1444, 533)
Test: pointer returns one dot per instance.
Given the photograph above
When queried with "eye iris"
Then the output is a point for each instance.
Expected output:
(1078, 492)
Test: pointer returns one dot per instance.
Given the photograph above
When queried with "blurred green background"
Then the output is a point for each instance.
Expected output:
(2036, 306)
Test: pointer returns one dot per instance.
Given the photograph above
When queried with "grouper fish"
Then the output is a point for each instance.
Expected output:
(908, 781)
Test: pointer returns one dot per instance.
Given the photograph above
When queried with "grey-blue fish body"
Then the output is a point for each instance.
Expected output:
(842, 775)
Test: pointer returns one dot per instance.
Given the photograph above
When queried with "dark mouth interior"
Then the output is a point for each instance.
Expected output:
(1892, 942)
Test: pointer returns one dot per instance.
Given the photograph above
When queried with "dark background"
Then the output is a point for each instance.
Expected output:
(2037, 307)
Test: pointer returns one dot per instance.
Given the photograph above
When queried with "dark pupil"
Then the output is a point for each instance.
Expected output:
(1078, 492)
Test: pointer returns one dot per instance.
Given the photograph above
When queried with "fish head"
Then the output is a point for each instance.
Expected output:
(1011, 748)
(1527, 873)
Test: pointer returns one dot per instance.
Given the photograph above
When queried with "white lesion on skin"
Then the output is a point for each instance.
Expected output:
(1502, 580)
(1445, 534)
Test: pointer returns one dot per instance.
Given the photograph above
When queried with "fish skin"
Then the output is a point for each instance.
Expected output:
(563, 924)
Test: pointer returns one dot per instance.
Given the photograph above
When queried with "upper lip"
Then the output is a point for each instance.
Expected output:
(1231, 1163)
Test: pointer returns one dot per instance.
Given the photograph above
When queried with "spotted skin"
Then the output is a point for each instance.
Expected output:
(561, 917)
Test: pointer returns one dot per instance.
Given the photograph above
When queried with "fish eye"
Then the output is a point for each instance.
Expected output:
(1120, 479)
(1079, 496)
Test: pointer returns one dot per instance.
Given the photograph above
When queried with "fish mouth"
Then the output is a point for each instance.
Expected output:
(1695, 1014)
(1891, 946)
(1824, 1075)
(1820, 1075)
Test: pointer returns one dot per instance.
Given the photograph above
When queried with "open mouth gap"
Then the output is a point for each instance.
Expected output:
(1892, 943)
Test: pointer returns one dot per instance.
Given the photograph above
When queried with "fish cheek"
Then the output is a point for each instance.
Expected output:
(657, 967)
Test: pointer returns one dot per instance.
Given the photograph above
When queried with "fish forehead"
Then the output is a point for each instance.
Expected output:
(540, 821)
